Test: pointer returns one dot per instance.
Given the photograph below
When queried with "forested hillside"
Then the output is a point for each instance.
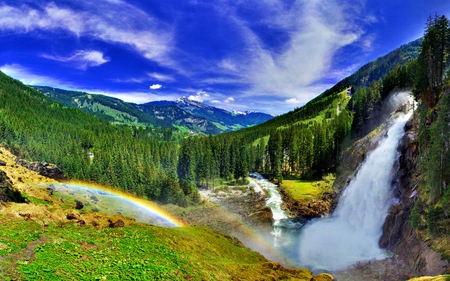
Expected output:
(87, 148)
(431, 212)
(304, 143)
(107, 108)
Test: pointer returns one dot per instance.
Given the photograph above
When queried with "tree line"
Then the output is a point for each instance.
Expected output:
(432, 87)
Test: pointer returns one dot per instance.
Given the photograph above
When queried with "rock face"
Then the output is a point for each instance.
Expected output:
(7, 191)
(43, 168)
(398, 235)
(309, 209)
(262, 216)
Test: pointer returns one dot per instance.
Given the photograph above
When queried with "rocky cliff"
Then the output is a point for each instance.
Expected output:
(398, 236)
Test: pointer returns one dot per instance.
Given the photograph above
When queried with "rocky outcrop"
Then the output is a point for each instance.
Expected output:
(308, 208)
(8, 193)
(262, 216)
(118, 223)
(43, 168)
(417, 257)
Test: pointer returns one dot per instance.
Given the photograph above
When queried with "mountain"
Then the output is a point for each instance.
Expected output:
(182, 113)
(206, 118)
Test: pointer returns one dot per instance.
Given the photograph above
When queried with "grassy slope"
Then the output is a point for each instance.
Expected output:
(300, 190)
(37, 242)
(138, 252)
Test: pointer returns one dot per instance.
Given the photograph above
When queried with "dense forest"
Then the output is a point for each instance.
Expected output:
(86, 148)
(431, 211)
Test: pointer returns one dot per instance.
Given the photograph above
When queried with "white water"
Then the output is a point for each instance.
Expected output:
(274, 201)
(351, 234)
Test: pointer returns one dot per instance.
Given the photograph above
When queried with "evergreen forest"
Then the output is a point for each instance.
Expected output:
(305, 143)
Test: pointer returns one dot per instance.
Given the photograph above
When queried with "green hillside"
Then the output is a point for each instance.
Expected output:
(139, 252)
(87, 148)
(107, 108)
(176, 117)
(305, 143)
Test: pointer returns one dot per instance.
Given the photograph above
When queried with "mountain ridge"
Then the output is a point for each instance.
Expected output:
(182, 113)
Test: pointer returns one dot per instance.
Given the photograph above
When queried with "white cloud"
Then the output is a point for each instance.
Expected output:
(200, 96)
(216, 101)
(228, 64)
(292, 100)
(121, 24)
(228, 100)
(155, 86)
(81, 59)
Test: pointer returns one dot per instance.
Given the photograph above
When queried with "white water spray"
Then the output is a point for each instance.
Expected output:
(274, 201)
(351, 234)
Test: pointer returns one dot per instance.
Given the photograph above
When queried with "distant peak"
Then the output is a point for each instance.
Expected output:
(237, 112)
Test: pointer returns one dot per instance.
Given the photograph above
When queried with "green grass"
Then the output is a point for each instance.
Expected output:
(29, 251)
(301, 190)
(307, 190)
(220, 126)
(35, 200)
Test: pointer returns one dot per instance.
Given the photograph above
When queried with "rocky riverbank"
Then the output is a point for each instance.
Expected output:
(308, 209)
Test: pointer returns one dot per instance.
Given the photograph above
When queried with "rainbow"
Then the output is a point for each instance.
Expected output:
(255, 239)
(142, 210)
(116, 201)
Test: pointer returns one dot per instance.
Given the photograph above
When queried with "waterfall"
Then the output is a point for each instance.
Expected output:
(351, 234)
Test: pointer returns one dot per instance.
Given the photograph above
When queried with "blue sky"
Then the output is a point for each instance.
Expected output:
(265, 55)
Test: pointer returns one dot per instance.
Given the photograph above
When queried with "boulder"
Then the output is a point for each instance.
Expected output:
(262, 216)
(118, 223)
(308, 209)
(78, 205)
(324, 277)
(43, 168)
(71, 217)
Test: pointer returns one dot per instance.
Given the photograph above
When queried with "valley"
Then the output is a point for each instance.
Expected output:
(353, 185)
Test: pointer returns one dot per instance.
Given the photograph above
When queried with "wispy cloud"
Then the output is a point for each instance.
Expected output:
(315, 32)
(31, 78)
(228, 100)
(200, 96)
(161, 77)
(121, 24)
(81, 59)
